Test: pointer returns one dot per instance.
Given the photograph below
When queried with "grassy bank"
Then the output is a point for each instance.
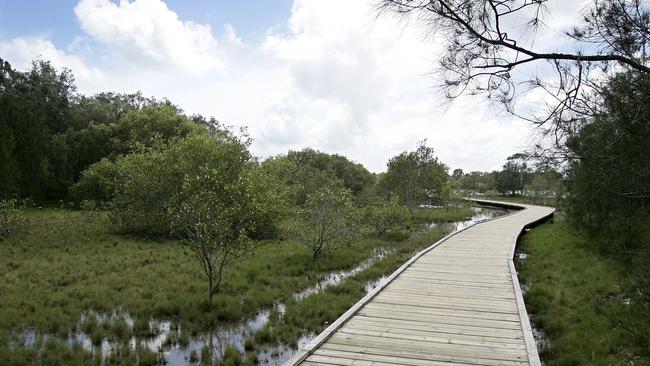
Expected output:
(581, 301)
(449, 214)
(68, 263)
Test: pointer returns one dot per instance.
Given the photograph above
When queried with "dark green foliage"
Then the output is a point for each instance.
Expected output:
(148, 186)
(119, 330)
(515, 175)
(328, 221)
(97, 183)
(476, 182)
(194, 357)
(34, 112)
(231, 357)
(206, 356)
(429, 215)
(147, 357)
(416, 177)
(49, 135)
(142, 328)
(384, 215)
(608, 181)
(303, 172)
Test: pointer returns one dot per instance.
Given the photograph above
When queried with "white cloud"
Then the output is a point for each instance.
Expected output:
(147, 32)
(22, 51)
(360, 86)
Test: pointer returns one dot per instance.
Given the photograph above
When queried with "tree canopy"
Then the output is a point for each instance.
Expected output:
(417, 177)
(490, 43)
(50, 134)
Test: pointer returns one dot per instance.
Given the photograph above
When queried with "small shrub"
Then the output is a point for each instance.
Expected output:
(120, 330)
(249, 344)
(264, 335)
(97, 183)
(147, 357)
(252, 359)
(232, 357)
(183, 339)
(89, 325)
(396, 235)
(12, 219)
(206, 356)
(142, 328)
(385, 215)
(194, 357)
(328, 221)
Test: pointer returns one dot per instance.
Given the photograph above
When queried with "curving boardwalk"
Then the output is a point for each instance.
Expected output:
(456, 303)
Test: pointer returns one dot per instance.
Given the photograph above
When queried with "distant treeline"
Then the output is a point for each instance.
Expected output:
(516, 178)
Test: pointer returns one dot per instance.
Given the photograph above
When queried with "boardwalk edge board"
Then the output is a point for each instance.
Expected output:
(531, 346)
(305, 351)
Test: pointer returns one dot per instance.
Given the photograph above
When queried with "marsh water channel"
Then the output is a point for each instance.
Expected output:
(174, 345)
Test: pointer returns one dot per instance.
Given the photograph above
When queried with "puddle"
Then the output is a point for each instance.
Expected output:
(540, 338)
(373, 284)
(167, 338)
(334, 278)
(480, 214)
(278, 355)
(520, 257)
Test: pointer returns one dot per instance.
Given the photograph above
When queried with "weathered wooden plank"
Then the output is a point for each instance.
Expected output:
(450, 326)
(468, 315)
(454, 303)
(460, 352)
(401, 335)
(446, 316)
(458, 292)
(453, 281)
(408, 355)
(382, 359)
(452, 276)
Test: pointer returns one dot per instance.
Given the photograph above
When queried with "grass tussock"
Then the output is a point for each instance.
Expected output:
(449, 214)
(581, 300)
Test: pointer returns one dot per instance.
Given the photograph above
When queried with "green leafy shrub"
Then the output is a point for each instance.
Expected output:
(97, 183)
(328, 220)
(12, 219)
(143, 190)
(385, 215)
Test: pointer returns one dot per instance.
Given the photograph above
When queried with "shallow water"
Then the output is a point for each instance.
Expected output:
(480, 214)
(334, 278)
(166, 342)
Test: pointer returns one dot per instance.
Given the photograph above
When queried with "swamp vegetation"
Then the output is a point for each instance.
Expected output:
(70, 275)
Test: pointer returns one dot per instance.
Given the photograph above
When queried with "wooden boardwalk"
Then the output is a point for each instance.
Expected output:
(456, 303)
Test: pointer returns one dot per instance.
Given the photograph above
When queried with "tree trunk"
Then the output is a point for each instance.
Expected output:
(210, 289)
(316, 253)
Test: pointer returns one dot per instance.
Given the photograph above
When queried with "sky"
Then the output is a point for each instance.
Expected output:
(326, 74)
